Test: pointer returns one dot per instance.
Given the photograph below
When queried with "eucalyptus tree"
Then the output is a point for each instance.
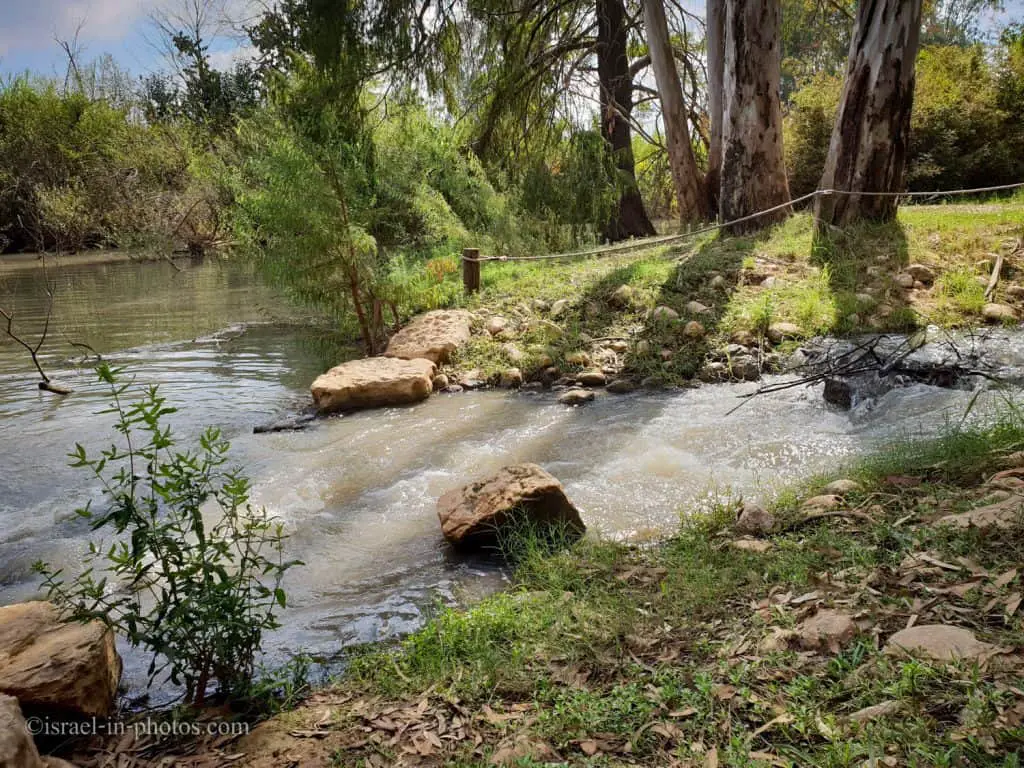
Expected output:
(871, 135)
(753, 175)
(689, 182)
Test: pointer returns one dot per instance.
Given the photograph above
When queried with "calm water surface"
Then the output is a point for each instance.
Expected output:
(358, 493)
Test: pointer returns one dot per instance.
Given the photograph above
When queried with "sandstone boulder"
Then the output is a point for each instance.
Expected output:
(576, 397)
(592, 378)
(999, 313)
(663, 314)
(921, 273)
(48, 664)
(779, 332)
(475, 515)
(433, 336)
(841, 487)
(17, 750)
(373, 382)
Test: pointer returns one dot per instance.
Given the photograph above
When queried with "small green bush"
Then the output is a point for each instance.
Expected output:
(194, 573)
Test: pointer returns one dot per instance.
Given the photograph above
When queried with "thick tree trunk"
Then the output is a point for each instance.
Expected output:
(630, 219)
(868, 151)
(690, 192)
(753, 166)
(715, 35)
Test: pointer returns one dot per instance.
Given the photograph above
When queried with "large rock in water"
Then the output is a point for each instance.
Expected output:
(373, 382)
(473, 516)
(53, 666)
(433, 336)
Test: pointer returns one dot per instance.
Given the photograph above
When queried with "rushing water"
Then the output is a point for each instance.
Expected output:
(358, 493)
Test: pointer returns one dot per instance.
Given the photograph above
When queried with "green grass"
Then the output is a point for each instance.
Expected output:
(842, 285)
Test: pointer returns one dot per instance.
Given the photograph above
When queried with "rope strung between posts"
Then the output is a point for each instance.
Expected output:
(665, 239)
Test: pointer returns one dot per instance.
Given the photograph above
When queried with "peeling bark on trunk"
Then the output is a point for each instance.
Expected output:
(753, 166)
(715, 25)
(690, 193)
(868, 151)
(630, 220)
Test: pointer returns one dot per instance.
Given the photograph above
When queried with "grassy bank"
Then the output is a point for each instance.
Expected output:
(929, 267)
(704, 651)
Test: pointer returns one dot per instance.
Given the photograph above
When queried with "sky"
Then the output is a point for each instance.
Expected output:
(124, 29)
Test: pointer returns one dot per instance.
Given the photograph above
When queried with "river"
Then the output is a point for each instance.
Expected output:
(357, 494)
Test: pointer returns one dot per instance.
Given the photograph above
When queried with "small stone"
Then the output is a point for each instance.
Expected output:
(621, 386)
(875, 711)
(532, 386)
(779, 332)
(754, 520)
(841, 487)
(865, 299)
(713, 372)
(619, 346)
(623, 298)
(694, 330)
(1015, 292)
(903, 280)
(540, 305)
(559, 307)
(921, 273)
(744, 339)
(496, 325)
(513, 353)
(440, 382)
(643, 348)
(592, 379)
(999, 313)
(652, 382)
(919, 286)
(664, 314)
(745, 368)
(581, 359)
(576, 397)
(511, 378)
(751, 545)
(592, 310)
(826, 629)
(940, 642)
(1003, 514)
(823, 503)
(545, 360)
(696, 308)
(666, 354)
(718, 282)
(452, 389)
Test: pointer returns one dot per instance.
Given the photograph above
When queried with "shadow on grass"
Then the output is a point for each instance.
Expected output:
(861, 264)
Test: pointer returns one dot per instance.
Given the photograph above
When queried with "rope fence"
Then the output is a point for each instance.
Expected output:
(471, 258)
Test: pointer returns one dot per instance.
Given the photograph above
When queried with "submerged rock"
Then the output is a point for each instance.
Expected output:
(433, 336)
(54, 666)
(576, 397)
(373, 382)
(476, 515)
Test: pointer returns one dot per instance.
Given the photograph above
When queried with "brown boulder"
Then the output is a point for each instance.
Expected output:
(48, 664)
(940, 642)
(826, 629)
(17, 750)
(754, 520)
(373, 382)
(432, 336)
(473, 516)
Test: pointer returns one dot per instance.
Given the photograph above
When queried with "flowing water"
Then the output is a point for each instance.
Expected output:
(358, 493)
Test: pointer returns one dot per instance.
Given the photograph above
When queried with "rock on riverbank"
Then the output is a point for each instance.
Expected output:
(53, 666)
(473, 516)
(433, 336)
(373, 382)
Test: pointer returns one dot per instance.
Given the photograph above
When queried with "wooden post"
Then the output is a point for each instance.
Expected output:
(471, 270)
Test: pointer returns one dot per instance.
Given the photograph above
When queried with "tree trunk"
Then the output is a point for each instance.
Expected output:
(753, 166)
(715, 36)
(690, 193)
(630, 219)
(868, 151)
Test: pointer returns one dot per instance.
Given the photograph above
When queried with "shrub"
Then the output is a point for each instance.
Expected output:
(197, 569)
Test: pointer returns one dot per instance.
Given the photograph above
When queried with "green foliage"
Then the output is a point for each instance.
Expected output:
(76, 172)
(808, 130)
(194, 572)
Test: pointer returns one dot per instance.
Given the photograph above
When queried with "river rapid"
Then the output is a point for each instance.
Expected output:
(357, 494)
